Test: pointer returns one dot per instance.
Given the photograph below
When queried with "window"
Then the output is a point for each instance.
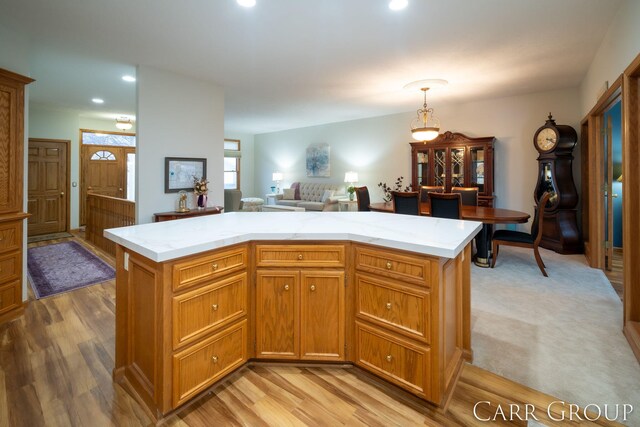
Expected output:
(103, 155)
(232, 164)
(108, 138)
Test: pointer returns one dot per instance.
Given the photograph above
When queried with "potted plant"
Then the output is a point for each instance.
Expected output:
(351, 190)
(386, 190)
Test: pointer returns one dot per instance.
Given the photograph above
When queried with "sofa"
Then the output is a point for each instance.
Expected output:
(314, 196)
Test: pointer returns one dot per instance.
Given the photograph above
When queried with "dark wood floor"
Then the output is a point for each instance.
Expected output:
(615, 274)
(56, 363)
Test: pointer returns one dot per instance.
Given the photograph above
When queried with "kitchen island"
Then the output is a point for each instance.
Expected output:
(198, 298)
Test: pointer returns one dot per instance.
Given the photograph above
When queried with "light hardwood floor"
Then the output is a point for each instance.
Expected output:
(56, 363)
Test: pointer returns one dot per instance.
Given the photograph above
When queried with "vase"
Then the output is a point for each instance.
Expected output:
(351, 196)
(202, 201)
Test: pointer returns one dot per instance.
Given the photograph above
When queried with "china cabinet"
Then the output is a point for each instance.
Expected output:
(455, 160)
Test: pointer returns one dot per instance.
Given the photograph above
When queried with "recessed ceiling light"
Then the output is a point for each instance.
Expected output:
(129, 79)
(246, 3)
(398, 4)
(97, 100)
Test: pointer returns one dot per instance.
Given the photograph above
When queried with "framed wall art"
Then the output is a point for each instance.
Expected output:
(318, 164)
(179, 173)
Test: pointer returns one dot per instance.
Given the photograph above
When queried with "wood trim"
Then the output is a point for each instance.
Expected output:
(110, 132)
(15, 76)
(67, 185)
(631, 203)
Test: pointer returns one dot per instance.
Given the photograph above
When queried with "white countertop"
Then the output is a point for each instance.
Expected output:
(163, 241)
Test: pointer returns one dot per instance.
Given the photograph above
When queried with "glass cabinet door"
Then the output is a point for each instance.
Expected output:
(422, 161)
(476, 160)
(439, 166)
(457, 167)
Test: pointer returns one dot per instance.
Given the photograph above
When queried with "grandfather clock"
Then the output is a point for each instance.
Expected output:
(555, 144)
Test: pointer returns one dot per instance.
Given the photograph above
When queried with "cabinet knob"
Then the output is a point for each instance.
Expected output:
(286, 287)
(312, 288)
(389, 358)
(388, 265)
(214, 307)
(388, 305)
(214, 359)
(299, 256)
(214, 266)
(62, 193)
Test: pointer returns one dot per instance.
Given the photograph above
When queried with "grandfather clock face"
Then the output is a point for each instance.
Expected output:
(546, 139)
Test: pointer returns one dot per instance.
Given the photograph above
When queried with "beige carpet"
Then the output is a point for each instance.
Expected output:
(561, 335)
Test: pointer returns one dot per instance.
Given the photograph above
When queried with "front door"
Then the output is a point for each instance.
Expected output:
(47, 181)
(103, 171)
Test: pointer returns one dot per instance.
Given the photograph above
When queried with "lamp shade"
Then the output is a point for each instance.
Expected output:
(351, 177)
(277, 176)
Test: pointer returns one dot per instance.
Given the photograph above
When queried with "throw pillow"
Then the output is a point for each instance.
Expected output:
(288, 194)
(326, 195)
(296, 186)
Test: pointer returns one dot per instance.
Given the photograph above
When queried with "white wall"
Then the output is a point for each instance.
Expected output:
(52, 123)
(378, 148)
(177, 116)
(247, 176)
(618, 49)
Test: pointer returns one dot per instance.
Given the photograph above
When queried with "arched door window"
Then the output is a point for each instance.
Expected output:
(103, 155)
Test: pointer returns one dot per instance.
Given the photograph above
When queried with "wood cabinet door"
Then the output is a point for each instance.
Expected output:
(277, 314)
(11, 131)
(322, 312)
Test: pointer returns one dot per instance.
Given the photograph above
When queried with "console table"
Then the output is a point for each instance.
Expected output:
(168, 216)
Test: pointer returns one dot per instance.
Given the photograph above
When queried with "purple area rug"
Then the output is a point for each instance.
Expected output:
(63, 267)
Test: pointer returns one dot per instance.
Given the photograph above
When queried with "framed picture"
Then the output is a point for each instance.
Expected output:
(318, 164)
(179, 173)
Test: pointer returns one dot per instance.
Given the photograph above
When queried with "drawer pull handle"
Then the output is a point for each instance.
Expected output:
(388, 265)
(312, 288)
(286, 287)
(214, 359)
(389, 358)
(388, 305)
(214, 307)
(214, 267)
(300, 256)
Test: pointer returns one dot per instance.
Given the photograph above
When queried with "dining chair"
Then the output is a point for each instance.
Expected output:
(469, 195)
(445, 205)
(426, 189)
(406, 203)
(523, 240)
(362, 195)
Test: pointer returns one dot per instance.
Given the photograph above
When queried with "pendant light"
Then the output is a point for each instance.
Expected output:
(124, 123)
(425, 127)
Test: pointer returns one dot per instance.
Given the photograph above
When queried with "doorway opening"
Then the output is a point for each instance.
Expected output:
(107, 166)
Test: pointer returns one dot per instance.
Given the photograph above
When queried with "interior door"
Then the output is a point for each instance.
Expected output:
(47, 199)
(103, 171)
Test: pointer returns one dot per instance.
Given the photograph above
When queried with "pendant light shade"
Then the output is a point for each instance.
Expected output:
(124, 123)
(425, 127)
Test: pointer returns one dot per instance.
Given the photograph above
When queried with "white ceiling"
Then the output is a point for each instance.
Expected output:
(293, 63)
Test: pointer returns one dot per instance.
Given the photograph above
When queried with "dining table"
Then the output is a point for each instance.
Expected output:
(487, 215)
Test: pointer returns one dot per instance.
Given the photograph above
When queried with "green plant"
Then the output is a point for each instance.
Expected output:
(351, 189)
(386, 190)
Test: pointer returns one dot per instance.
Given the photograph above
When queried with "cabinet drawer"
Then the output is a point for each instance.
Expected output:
(10, 236)
(407, 268)
(197, 312)
(404, 309)
(197, 270)
(201, 365)
(394, 359)
(10, 266)
(10, 296)
(300, 255)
